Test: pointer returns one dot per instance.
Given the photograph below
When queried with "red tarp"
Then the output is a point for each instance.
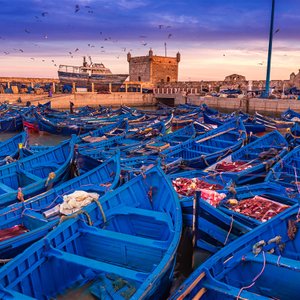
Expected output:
(11, 232)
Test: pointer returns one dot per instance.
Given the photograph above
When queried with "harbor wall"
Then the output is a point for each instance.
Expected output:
(62, 101)
(249, 105)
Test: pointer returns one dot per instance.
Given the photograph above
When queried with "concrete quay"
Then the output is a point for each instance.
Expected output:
(62, 101)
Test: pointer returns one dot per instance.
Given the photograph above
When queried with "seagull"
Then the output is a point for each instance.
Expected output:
(27, 31)
(32, 58)
(43, 60)
(102, 47)
(44, 14)
(144, 44)
(76, 50)
(45, 36)
(77, 8)
(55, 65)
(170, 35)
(261, 63)
(70, 52)
(6, 53)
(277, 31)
(90, 12)
(52, 60)
(224, 55)
(160, 26)
(124, 49)
(21, 50)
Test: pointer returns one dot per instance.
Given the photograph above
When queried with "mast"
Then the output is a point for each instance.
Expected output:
(270, 50)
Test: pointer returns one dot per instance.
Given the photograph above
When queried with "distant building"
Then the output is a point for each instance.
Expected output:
(235, 78)
(153, 68)
(295, 79)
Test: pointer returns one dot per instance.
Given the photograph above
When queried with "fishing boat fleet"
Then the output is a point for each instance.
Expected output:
(105, 212)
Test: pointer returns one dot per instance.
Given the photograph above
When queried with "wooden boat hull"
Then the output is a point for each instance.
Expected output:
(263, 264)
(102, 178)
(144, 270)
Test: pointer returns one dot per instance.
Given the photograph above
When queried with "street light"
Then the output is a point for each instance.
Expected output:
(266, 94)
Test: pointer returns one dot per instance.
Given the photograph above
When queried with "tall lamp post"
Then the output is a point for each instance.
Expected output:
(266, 94)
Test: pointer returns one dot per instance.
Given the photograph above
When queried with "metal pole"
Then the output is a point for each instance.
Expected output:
(270, 50)
(165, 49)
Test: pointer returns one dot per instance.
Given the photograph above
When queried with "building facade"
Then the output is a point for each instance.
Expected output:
(153, 68)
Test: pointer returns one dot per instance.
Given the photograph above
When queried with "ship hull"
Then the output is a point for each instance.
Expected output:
(99, 81)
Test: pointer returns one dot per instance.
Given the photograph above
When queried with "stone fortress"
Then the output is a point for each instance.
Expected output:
(162, 72)
(152, 69)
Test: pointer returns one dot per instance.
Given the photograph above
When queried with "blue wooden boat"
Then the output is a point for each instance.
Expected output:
(181, 135)
(290, 115)
(251, 163)
(127, 250)
(210, 147)
(35, 216)
(272, 123)
(113, 129)
(263, 264)
(9, 149)
(250, 124)
(241, 210)
(286, 172)
(293, 135)
(11, 123)
(35, 174)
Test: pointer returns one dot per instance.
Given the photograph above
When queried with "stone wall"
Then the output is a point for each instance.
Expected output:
(81, 99)
(139, 69)
(164, 69)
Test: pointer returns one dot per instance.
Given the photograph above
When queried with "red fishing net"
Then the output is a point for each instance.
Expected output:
(11, 232)
(187, 186)
(259, 208)
(236, 166)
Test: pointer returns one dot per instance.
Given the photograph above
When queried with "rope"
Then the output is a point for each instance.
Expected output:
(255, 278)
(101, 209)
(228, 233)
(204, 159)
(65, 218)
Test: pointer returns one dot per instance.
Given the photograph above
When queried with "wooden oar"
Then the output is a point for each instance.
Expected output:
(215, 135)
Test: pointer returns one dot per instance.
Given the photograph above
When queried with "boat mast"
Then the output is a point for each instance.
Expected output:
(270, 51)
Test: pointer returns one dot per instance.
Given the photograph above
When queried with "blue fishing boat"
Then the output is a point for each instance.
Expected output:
(210, 147)
(293, 135)
(11, 123)
(251, 163)
(222, 218)
(9, 149)
(290, 115)
(23, 223)
(127, 249)
(250, 124)
(272, 123)
(35, 174)
(286, 172)
(262, 264)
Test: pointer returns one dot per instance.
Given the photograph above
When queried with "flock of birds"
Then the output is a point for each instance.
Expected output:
(88, 9)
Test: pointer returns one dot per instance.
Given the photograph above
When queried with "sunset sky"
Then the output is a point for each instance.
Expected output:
(215, 37)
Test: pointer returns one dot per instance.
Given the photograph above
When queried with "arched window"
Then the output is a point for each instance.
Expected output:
(139, 78)
(168, 79)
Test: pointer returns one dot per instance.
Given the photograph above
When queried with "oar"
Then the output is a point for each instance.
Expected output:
(215, 135)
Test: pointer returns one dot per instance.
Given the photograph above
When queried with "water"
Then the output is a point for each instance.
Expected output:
(41, 138)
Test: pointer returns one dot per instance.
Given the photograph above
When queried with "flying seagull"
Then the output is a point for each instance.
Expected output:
(77, 8)
(44, 14)
(277, 30)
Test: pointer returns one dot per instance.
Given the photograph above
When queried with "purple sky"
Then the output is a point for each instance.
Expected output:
(215, 37)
